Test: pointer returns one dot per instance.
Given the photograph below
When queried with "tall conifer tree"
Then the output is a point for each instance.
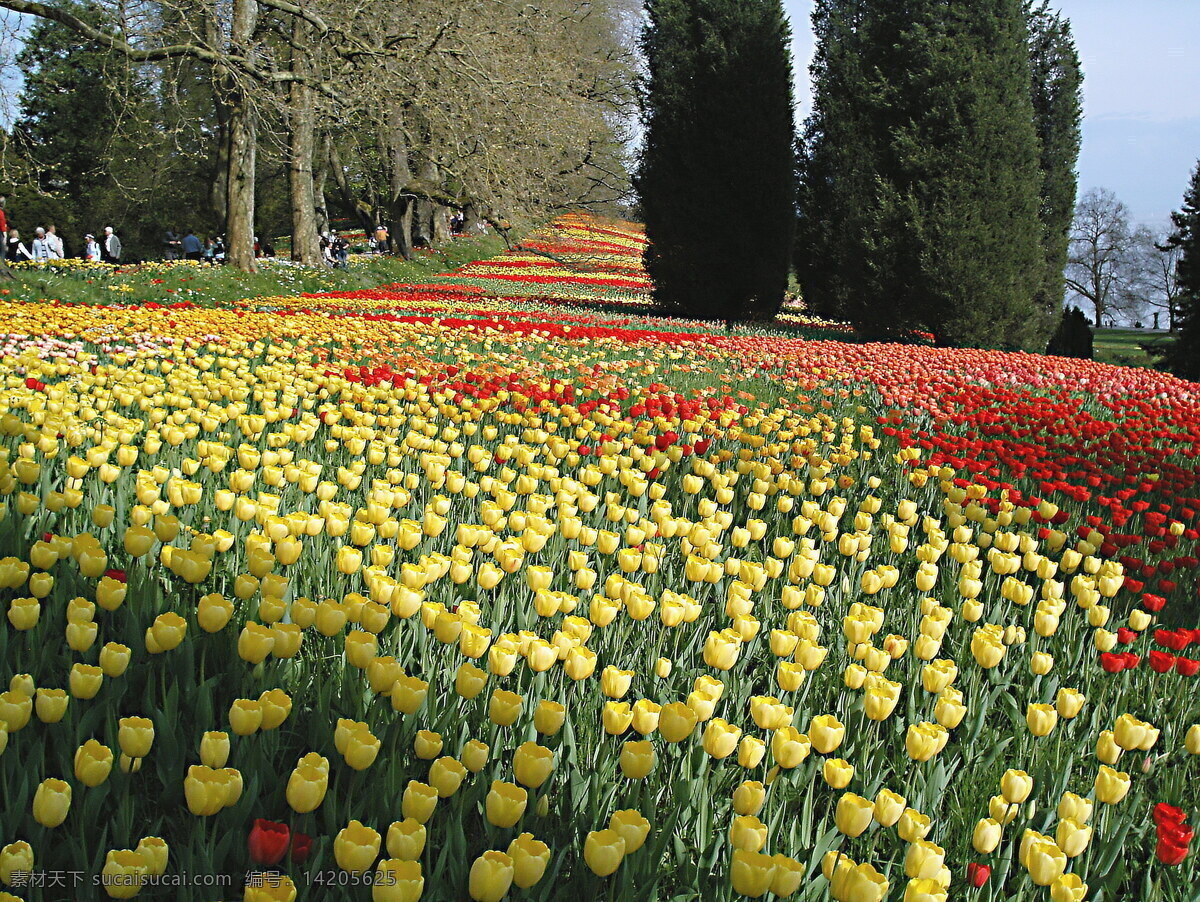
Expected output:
(919, 198)
(717, 175)
(1183, 358)
(1057, 91)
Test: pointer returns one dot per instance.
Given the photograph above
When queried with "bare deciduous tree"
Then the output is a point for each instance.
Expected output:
(1102, 263)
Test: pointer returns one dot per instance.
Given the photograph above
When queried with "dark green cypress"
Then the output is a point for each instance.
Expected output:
(1056, 90)
(717, 176)
(920, 177)
(1073, 337)
(1183, 356)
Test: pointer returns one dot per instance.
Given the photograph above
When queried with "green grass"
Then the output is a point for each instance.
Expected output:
(208, 285)
(1127, 347)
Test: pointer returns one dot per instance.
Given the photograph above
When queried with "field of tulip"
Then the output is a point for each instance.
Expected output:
(496, 587)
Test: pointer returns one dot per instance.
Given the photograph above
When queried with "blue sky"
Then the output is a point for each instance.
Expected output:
(1141, 127)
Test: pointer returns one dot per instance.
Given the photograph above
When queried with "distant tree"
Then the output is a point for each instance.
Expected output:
(1156, 292)
(1057, 93)
(1073, 337)
(1103, 268)
(920, 172)
(1183, 355)
(717, 174)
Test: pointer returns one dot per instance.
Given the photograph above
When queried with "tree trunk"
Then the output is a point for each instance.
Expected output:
(401, 206)
(239, 219)
(471, 220)
(320, 176)
(339, 179)
(243, 149)
(218, 191)
(441, 225)
(306, 247)
(400, 227)
(426, 212)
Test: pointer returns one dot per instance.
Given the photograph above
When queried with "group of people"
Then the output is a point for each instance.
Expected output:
(335, 250)
(188, 246)
(47, 245)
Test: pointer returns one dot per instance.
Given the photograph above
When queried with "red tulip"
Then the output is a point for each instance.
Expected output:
(1169, 852)
(1112, 663)
(1161, 662)
(268, 842)
(1167, 814)
(978, 874)
(301, 847)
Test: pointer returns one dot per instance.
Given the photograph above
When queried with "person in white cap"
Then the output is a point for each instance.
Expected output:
(91, 249)
(110, 250)
(41, 247)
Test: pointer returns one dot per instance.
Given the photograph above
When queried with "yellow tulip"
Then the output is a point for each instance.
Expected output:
(751, 873)
(214, 749)
(306, 787)
(408, 694)
(491, 876)
(114, 659)
(124, 873)
(529, 859)
(837, 772)
(1111, 785)
(51, 704)
(1191, 740)
(888, 807)
(720, 738)
(469, 680)
(532, 764)
(406, 839)
(1045, 862)
(154, 852)
(428, 745)
(603, 850)
(747, 832)
(474, 755)
(51, 802)
(1041, 719)
(676, 722)
(1068, 888)
(397, 880)
(419, 801)
(923, 859)
(854, 814)
(1072, 837)
(637, 759)
(549, 717)
(858, 883)
(504, 707)
(93, 763)
(912, 826)
(135, 736)
(16, 863)
(356, 847)
(987, 835)
(204, 790)
(505, 803)
(1015, 786)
